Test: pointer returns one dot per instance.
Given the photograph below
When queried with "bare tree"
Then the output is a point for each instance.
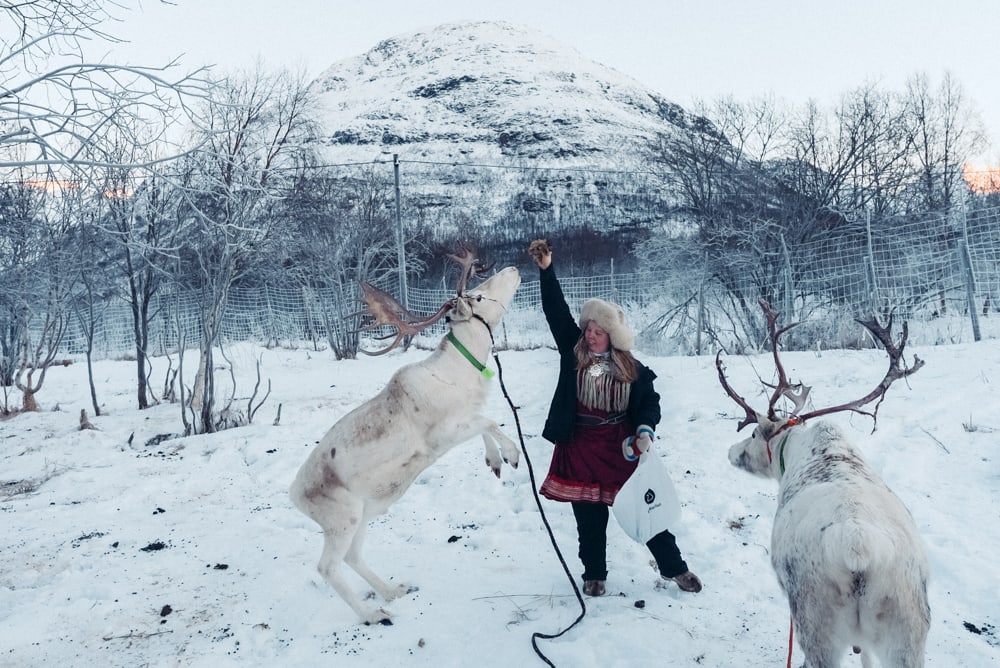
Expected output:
(343, 235)
(42, 282)
(138, 218)
(256, 140)
(853, 158)
(726, 223)
(91, 292)
(54, 103)
(946, 131)
(20, 207)
(697, 164)
(874, 150)
(757, 129)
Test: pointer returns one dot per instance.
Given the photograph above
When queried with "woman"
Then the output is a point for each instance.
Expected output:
(603, 397)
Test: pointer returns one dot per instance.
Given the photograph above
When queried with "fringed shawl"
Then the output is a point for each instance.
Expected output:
(599, 388)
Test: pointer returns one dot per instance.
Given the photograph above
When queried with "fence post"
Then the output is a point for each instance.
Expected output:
(272, 324)
(701, 317)
(308, 296)
(787, 306)
(870, 267)
(400, 250)
(970, 277)
(615, 297)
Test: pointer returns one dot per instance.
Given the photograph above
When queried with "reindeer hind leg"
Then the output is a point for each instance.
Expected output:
(814, 637)
(343, 523)
(353, 559)
(904, 643)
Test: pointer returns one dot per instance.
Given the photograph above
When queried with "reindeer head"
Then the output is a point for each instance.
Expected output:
(755, 454)
(489, 300)
(382, 309)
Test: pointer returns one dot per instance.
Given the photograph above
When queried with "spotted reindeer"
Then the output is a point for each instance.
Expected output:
(368, 459)
(844, 547)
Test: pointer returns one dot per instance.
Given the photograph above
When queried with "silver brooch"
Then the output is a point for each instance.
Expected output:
(598, 369)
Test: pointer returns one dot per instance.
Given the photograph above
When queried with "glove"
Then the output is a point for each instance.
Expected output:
(541, 252)
(644, 437)
(539, 248)
(634, 446)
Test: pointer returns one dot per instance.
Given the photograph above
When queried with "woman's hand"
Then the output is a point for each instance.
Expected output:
(541, 253)
(635, 446)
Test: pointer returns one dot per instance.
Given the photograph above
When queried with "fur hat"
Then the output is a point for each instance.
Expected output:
(611, 319)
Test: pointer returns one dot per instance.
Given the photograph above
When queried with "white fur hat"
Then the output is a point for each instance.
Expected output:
(611, 318)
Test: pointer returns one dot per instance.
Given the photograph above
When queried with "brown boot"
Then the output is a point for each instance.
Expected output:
(688, 581)
(593, 587)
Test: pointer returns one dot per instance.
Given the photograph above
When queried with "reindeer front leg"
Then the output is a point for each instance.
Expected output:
(498, 447)
(493, 457)
(511, 454)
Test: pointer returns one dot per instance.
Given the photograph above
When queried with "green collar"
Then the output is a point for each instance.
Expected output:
(487, 373)
(781, 454)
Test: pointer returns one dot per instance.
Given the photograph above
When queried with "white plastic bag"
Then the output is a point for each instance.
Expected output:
(647, 503)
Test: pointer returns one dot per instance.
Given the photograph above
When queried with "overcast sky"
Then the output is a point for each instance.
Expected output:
(683, 49)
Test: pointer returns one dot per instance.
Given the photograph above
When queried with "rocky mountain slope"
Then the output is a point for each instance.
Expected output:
(489, 92)
(503, 134)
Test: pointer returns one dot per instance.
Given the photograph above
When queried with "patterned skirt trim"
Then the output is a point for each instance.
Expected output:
(557, 489)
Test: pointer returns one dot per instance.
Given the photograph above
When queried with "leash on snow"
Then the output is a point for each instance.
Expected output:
(534, 490)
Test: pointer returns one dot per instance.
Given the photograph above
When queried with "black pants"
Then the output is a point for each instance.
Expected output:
(592, 528)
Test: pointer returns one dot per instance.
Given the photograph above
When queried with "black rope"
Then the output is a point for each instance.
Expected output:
(534, 490)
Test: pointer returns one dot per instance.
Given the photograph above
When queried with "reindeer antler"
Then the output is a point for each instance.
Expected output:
(751, 416)
(471, 266)
(895, 351)
(384, 310)
(797, 393)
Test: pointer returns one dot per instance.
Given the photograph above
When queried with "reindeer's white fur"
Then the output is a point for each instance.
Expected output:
(844, 547)
(369, 458)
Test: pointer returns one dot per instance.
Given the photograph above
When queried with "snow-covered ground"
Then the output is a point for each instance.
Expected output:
(187, 552)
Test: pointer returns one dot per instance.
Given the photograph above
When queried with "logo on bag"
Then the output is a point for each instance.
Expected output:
(649, 497)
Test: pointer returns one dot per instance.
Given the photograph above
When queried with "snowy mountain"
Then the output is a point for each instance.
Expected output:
(503, 134)
(489, 92)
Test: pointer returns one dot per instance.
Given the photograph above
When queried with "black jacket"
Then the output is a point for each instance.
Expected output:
(644, 402)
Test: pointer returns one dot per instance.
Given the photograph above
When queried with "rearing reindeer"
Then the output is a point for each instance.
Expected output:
(844, 547)
(369, 458)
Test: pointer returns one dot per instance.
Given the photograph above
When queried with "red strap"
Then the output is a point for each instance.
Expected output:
(791, 625)
(790, 422)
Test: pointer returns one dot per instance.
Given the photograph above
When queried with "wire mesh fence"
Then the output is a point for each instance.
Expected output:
(941, 275)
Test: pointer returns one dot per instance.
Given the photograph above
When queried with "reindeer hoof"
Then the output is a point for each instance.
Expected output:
(379, 616)
(399, 590)
(513, 458)
(494, 465)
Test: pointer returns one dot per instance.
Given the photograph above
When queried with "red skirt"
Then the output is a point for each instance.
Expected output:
(590, 466)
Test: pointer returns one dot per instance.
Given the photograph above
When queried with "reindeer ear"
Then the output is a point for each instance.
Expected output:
(462, 310)
(766, 428)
